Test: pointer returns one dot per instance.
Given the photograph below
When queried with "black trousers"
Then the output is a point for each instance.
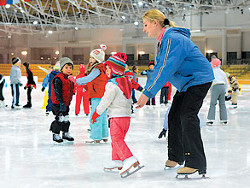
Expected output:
(57, 125)
(152, 101)
(164, 95)
(1, 90)
(184, 138)
(29, 90)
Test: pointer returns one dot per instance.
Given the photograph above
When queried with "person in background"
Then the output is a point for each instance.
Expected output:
(235, 89)
(29, 85)
(218, 90)
(135, 72)
(149, 73)
(48, 81)
(180, 62)
(165, 95)
(2, 81)
(15, 81)
(82, 93)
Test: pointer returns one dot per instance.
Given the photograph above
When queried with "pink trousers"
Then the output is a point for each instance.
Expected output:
(118, 129)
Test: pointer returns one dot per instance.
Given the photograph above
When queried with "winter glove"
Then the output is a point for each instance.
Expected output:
(162, 133)
(62, 107)
(25, 87)
(43, 89)
(94, 117)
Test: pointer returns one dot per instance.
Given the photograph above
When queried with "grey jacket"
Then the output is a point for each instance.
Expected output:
(15, 75)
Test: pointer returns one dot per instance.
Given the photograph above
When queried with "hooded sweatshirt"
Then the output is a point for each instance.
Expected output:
(180, 62)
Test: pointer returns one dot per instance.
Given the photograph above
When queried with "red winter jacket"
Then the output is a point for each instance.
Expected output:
(96, 87)
(67, 89)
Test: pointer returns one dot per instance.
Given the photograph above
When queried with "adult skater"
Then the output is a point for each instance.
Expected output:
(180, 62)
(218, 90)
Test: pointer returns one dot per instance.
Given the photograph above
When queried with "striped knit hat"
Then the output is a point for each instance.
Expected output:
(117, 63)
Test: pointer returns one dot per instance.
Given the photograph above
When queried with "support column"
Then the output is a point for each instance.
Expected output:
(224, 41)
(239, 52)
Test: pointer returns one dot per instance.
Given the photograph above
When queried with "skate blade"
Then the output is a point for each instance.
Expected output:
(193, 176)
(172, 168)
(112, 170)
(128, 172)
(91, 142)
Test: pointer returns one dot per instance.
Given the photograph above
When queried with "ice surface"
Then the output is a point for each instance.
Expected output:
(29, 157)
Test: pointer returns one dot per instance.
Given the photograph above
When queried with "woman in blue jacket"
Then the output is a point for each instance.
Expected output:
(180, 62)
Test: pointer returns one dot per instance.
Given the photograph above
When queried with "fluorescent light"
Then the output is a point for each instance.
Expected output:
(76, 28)
(140, 3)
(136, 23)
(7, 6)
(24, 52)
(50, 32)
(210, 51)
(57, 52)
(123, 17)
(35, 22)
(141, 52)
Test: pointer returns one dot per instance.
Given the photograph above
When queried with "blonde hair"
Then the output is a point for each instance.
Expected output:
(155, 14)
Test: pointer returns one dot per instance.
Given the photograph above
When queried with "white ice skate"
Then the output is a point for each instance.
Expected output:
(130, 166)
(113, 165)
(93, 142)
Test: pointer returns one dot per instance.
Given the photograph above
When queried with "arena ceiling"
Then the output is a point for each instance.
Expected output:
(56, 15)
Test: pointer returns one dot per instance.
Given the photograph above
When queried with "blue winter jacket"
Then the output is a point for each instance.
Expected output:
(149, 74)
(51, 76)
(180, 62)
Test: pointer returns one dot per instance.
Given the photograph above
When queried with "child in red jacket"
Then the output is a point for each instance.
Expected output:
(61, 96)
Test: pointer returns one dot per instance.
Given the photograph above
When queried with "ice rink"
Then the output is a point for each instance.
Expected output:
(29, 157)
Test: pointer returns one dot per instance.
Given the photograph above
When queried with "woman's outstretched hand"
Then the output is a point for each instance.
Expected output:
(142, 101)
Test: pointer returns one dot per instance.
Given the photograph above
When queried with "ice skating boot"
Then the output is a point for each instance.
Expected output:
(67, 136)
(171, 164)
(57, 138)
(130, 166)
(113, 165)
(28, 105)
(223, 122)
(186, 171)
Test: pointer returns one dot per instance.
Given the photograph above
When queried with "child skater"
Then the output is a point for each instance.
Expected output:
(96, 81)
(2, 81)
(82, 93)
(29, 85)
(15, 81)
(48, 81)
(61, 96)
(117, 99)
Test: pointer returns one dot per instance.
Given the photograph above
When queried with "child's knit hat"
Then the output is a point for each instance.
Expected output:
(216, 62)
(15, 60)
(117, 63)
(99, 54)
(64, 61)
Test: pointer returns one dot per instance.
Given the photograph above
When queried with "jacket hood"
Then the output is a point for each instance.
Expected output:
(183, 31)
